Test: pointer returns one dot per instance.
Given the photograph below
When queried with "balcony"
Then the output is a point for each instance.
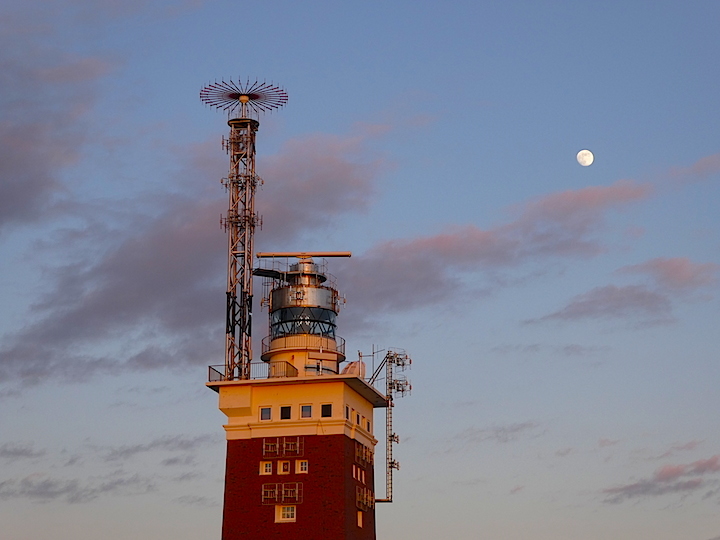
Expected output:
(258, 370)
(303, 342)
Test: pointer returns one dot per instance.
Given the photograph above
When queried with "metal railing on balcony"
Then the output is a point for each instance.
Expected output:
(304, 341)
(258, 370)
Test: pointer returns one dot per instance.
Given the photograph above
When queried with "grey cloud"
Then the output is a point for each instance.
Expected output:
(195, 500)
(41, 488)
(169, 443)
(499, 434)
(12, 451)
(158, 287)
(311, 182)
(633, 302)
(43, 117)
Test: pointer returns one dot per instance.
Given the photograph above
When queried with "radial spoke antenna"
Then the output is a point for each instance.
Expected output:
(243, 102)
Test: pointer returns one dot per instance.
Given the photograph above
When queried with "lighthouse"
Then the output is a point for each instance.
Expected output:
(300, 427)
(300, 443)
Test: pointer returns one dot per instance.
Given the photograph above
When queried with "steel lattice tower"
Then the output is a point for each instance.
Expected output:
(239, 100)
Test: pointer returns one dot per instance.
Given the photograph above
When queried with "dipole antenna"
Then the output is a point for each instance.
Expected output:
(240, 101)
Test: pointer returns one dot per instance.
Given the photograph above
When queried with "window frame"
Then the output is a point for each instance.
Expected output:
(281, 517)
(326, 407)
(269, 415)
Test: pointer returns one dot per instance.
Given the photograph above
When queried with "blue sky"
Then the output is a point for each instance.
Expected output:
(562, 319)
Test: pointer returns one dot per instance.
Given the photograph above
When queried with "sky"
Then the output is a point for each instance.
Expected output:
(562, 320)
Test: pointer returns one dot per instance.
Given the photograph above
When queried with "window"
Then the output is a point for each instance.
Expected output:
(301, 466)
(284, 514)
(326, 410)
(357, 418)
(347, 412)
(265, 413)
(283, 467)
(285, 413)
(306, 411)
(266, 467)
(359, 518)
(368, 425)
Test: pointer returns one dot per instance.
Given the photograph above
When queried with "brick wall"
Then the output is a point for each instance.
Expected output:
(328, 510)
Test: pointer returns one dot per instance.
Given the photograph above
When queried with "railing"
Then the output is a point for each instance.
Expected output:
(304, 341)
(258, 370)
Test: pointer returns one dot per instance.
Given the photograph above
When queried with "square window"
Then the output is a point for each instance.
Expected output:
(285, 413)
(326, 410)
(306, 411)
(301, 466)
(283, 467)
(284, 514)
(266, 467)
(265, 413)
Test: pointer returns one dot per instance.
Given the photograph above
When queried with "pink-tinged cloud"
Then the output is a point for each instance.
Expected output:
(667, 479)
(678, 273)
(313, 181)
(700, 170)
(633, 302)
(389, 276)
(603, 443)
(692, 445)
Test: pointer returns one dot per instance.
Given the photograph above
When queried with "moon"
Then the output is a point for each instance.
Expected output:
(585, 158)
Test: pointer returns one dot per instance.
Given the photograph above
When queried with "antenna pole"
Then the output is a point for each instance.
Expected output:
(239, 100)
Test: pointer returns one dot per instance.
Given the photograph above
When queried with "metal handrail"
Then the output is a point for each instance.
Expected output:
(258, 370)
(304, 341)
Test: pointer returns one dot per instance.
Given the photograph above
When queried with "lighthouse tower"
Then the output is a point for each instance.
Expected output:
(300, 425)
(300, 441)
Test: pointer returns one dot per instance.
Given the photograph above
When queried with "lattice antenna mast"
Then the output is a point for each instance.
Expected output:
(241, 101)
(396, 385)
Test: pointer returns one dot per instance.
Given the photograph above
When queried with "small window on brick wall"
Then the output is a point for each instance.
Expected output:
(285, 514)
(326, 410)
(283, 467)
(266, 467)
(301, 466)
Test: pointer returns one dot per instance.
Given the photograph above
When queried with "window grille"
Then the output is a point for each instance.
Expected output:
(271, 447)
(271, 493)
(292, 492)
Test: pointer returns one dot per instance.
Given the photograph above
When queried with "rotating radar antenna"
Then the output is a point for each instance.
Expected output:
(249, 96)
(239, 100)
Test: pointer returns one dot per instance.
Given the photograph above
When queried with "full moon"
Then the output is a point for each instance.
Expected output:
(585, 157)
